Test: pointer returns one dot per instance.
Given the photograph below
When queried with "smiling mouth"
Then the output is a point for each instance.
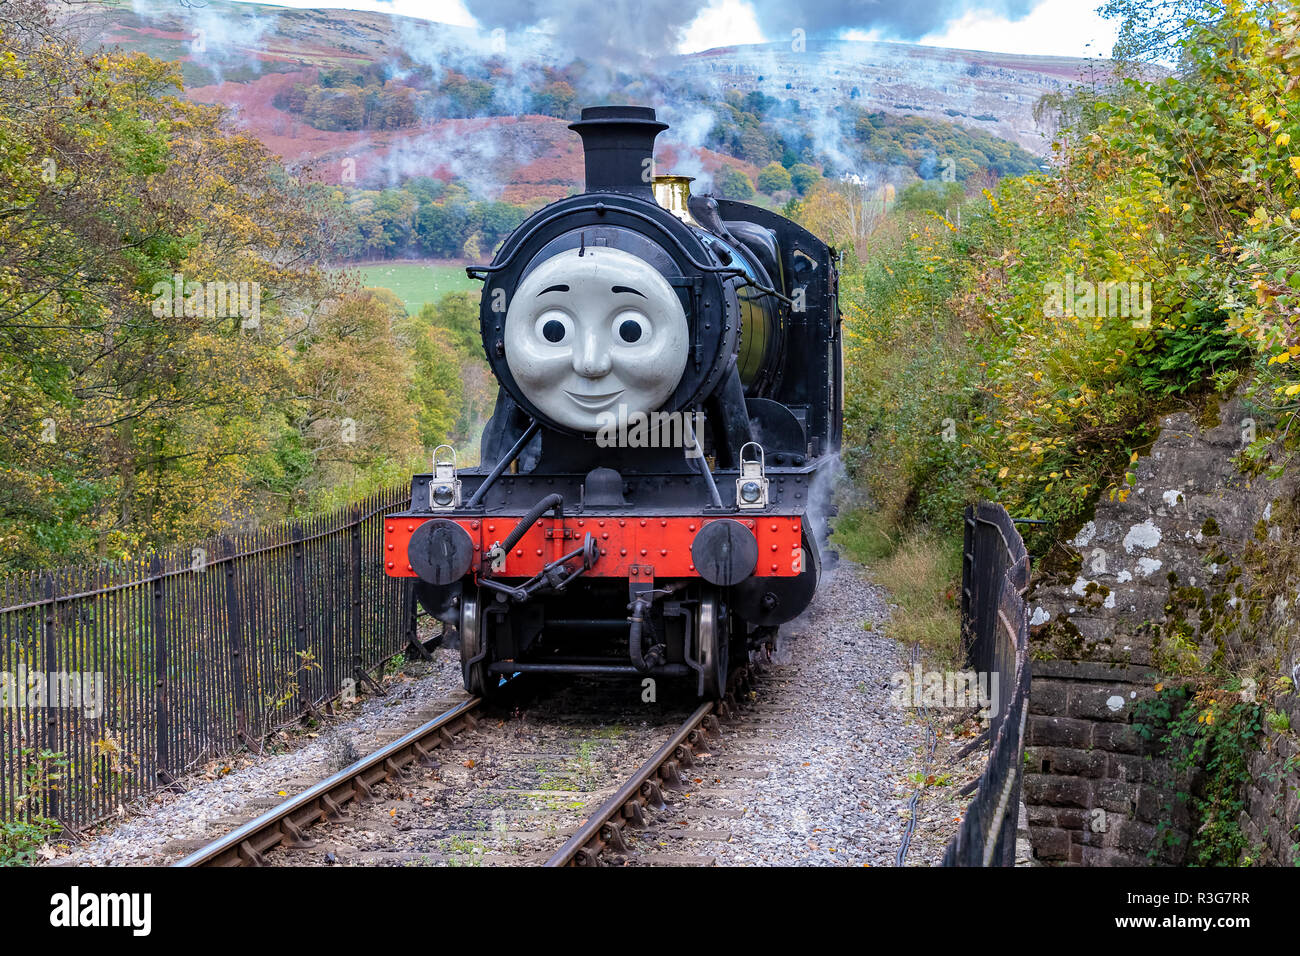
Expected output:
(594, 403)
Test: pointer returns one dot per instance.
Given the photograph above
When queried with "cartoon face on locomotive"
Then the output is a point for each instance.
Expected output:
(670, 402)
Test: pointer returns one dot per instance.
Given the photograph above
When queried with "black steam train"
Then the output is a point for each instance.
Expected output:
(670, 399)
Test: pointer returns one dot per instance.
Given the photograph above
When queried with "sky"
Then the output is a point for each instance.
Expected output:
(1050, 27)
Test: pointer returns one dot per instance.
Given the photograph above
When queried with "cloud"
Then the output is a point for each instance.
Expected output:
(1052, 28)
(619, 31)
(895, 19)
(722, 23)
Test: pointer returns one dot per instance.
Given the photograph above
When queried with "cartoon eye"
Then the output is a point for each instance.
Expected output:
(554, 326)
(631, 328)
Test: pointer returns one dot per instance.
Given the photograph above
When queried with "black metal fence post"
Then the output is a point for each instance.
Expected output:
(50, 658)
(968, 582)
(162, 730)
(355, 594)
(299, 597)
(235, 642)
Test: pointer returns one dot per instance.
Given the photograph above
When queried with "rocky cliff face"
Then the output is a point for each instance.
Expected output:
(1195, 572)
(995, 92)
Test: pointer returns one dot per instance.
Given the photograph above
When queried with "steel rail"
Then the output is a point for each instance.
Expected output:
(605, 826)
(286, 823)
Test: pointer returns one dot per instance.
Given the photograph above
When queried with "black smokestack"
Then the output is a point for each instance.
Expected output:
(619, 143)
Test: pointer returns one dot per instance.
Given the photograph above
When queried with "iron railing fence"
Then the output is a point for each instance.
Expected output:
(995, 633)
(118, 677)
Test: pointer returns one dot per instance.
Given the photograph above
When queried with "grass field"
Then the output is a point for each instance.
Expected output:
(416, 283)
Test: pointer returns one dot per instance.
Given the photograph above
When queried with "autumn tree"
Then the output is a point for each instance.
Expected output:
(452, 387)
(734, 184)
(353, 408)
(773, 178)
(803, 177)
(846, 213)
(157, 275)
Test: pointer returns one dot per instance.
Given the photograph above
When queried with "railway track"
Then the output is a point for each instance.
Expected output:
(286, 824)
(643, 793)
(439, 792)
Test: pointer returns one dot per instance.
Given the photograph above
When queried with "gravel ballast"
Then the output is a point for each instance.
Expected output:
(845, 756)
(839, 760)
(213, 794)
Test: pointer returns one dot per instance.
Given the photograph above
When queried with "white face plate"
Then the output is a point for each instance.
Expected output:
(587, 334)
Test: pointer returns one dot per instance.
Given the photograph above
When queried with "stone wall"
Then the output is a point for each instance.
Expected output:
(1161, 581)
(1271, 819)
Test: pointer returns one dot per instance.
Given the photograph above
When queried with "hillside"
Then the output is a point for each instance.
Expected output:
(991, 92)
(493, 116)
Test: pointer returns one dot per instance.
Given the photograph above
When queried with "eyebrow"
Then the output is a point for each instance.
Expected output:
(553, 288)
(623, 288)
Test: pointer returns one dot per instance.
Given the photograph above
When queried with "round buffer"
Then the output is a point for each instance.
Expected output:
(440, 551)
(725, 552)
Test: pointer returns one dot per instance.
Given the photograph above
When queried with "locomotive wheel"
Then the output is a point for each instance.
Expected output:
(474, 654)
(713, 645)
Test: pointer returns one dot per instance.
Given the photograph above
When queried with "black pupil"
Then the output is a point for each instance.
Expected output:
(553, 330)
(630, 330)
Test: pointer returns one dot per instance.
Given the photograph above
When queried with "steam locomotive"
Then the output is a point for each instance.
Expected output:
(670, 401)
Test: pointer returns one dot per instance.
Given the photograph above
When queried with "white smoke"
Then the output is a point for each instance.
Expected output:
(687, 133)
(214, 38)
